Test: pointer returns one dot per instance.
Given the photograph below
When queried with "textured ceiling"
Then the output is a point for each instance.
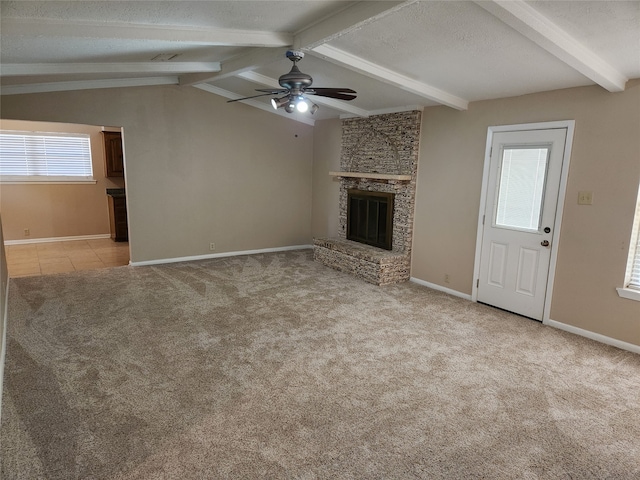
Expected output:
(285, 16)
(397, 55)
(462, 49)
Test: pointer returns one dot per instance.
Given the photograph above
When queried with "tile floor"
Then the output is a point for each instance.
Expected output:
(59, 257)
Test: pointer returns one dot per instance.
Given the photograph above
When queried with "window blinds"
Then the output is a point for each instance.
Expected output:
(522, 181)
(34, 154)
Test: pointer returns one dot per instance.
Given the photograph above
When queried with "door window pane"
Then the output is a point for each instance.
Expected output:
(521, 190)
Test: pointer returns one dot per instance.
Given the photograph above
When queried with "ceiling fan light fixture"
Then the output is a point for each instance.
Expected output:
(301, 105)
(276, 103)
(296, 86)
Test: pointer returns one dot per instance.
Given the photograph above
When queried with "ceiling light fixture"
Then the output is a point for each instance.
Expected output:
(301, 104)
(290, 107)
(292, 103)
(276, 103)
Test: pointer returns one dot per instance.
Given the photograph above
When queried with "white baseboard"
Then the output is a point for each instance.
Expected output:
(440, 288)
(218, 255)
(3, 343)
(551, 323)
(56, 239)
(594, 336)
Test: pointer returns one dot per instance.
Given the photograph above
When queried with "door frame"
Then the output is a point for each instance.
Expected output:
(569, 125)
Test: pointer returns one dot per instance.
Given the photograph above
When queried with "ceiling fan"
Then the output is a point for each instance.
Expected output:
(295, 86)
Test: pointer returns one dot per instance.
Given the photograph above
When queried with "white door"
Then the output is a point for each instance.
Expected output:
(521, 201)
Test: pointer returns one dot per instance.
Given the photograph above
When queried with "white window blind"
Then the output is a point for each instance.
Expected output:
(36, 156)
(634, 251)
(522, 179)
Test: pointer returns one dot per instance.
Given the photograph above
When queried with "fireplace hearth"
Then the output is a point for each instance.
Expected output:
(370, 218)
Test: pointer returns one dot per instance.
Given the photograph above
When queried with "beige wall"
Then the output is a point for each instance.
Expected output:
(594, 239)
(57, 210)
(198, 170)
(327, 138)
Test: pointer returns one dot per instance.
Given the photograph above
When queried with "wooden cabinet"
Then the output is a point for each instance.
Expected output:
(113, 154)
(118, 218)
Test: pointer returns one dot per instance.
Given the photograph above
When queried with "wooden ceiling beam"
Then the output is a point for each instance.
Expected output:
(315, 39)
(345, 21)
(530, 23)
(255, 58)
(27, 69)
(29, 27)
(372, 70)
(87, 85)
(341, 22)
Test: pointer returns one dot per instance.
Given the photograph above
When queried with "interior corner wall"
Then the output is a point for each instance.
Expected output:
(58, 210)
(198, 170)
(327, 138)
(594, 239)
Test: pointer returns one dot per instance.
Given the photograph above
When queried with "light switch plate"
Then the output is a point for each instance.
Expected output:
(585, 198)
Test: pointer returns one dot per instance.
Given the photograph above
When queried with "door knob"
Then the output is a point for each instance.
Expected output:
(544, 243)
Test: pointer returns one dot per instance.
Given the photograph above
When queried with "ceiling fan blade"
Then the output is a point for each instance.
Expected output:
(325, 90)
(330, 94)
(247, 98)
(272, 91)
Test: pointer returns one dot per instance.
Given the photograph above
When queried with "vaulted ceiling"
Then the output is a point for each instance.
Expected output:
(396, 55)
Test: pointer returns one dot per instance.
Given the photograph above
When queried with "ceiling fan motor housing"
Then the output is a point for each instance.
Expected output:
(295, 80)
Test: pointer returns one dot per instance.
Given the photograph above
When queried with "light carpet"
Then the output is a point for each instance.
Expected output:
(273, 366)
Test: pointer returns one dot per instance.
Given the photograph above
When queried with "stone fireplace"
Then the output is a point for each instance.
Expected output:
(379, 155)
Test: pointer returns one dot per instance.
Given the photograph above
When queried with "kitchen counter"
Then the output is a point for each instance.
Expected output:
(116, 192)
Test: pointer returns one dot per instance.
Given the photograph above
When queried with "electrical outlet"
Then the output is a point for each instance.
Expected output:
(446, 278)
(26, 232)
(212, 246)
(585, 198)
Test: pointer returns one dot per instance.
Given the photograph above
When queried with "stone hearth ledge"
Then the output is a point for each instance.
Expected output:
(371, 264)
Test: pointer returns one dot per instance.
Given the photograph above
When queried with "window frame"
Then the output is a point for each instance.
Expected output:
(52, 179)
(632, 290)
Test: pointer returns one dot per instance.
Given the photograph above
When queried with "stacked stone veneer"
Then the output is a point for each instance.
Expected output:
(387, 144)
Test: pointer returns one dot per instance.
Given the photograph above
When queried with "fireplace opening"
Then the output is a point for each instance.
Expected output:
(370, 218)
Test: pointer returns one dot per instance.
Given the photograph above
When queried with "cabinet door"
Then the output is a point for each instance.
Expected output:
(118, 219)
(113, 154)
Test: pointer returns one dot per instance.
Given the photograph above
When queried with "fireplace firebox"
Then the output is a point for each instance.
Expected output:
(370, 218)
